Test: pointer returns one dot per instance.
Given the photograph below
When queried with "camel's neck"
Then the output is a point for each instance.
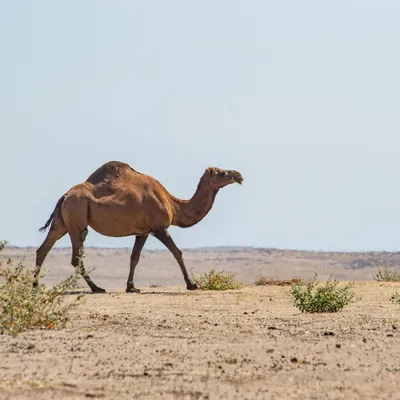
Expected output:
(190, 212)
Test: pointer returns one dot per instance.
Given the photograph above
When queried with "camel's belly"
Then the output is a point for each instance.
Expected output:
(118, 231)
(117, 224)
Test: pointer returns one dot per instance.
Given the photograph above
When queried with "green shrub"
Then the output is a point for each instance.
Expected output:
(395, 298)
(313, 298)
(384, 274)
(23, 306)
(216, 281)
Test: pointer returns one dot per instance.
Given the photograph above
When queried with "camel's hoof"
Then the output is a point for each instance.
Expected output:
(132, 290)
(98, 290)
(191, 286)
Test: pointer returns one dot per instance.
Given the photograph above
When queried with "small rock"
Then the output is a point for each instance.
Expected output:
(30, 346)
(389, 335)
(272, 327)
(329, 333)
(338, 345)
(293, 360)
(89, 336)
(364, 340)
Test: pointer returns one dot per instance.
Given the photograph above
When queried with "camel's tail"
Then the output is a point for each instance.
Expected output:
(53, 214)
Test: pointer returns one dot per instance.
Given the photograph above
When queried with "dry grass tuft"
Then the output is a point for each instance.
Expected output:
(395, 298)
(385, 274)
(263, 281)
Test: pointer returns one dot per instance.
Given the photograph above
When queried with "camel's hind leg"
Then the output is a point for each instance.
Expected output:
(75, 216)
(56, 232)
(77, 239)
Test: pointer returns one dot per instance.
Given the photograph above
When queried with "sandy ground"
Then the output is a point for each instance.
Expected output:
(167, 343)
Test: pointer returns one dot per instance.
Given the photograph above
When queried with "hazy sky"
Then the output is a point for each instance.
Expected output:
(302, 97)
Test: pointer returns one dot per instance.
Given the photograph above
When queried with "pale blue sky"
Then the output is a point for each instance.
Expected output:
(302, 97)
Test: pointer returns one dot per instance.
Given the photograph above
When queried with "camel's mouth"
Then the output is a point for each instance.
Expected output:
(238, 178)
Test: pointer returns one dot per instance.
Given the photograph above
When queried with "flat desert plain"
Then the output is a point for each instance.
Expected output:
(168, 343)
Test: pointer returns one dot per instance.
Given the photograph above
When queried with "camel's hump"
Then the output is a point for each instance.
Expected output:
(109, 170)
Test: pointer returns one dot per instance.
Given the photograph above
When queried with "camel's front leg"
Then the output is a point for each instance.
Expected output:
(164, 237)
(137, 249)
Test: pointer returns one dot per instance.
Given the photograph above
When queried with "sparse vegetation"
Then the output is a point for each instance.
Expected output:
(23, 306)
(385, 274)
(263, 281)
(311, 297)
(215, 280)
(395, 298)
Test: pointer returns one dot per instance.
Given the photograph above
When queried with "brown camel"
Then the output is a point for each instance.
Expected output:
(118, 201)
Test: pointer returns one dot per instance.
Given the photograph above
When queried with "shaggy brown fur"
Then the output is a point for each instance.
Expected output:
(118, 201)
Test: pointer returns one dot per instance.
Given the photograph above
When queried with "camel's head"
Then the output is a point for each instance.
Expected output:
(220, 177)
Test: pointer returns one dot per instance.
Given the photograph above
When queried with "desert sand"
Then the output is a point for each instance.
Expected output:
(251, 343)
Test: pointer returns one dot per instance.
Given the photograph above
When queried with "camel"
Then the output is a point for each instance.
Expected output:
(118, 201)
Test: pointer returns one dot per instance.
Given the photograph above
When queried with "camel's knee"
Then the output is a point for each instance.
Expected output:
(179, 255)
(74, 261)
(40, 255)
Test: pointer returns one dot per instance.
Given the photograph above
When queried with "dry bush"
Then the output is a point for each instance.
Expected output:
(313, 298)
(214, 280)
(263, 281)
(23, 306)
(395, 298)
(384, 274)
